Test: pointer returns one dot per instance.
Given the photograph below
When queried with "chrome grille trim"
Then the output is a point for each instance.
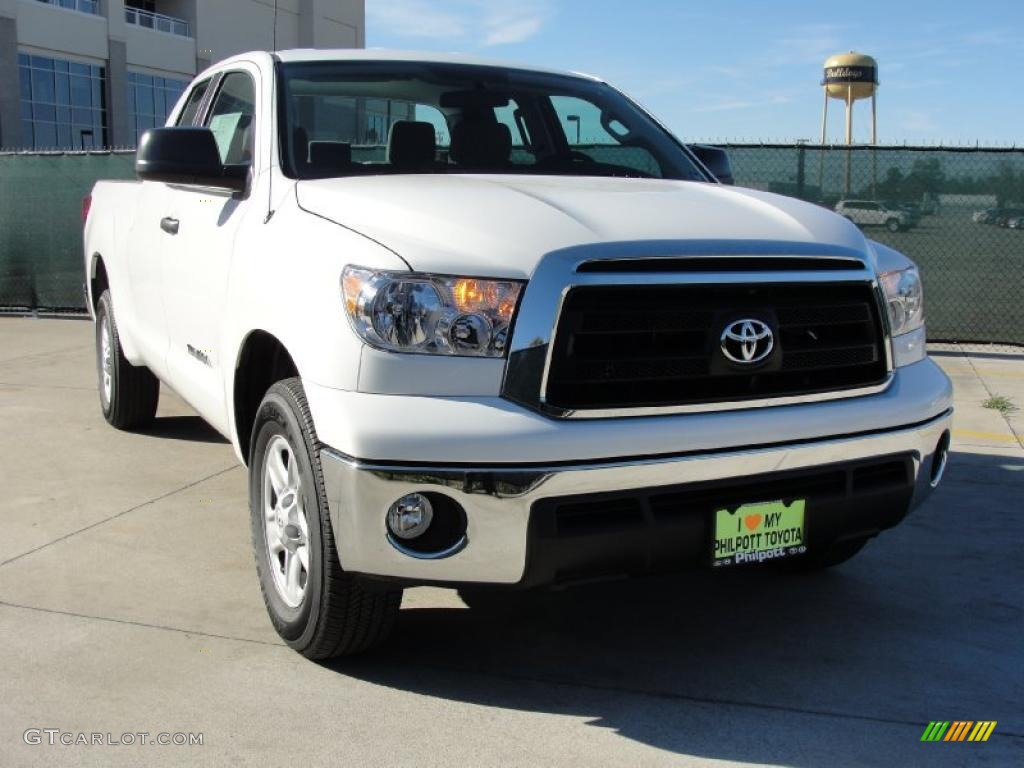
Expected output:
(531, 345)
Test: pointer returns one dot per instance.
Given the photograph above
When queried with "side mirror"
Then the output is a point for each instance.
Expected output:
(717, 161)
(186, 156)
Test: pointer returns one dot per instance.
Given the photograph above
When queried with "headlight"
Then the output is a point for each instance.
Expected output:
(904, 300)
(430, 314)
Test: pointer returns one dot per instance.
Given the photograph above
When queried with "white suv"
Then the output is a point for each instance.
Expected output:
(869, 213)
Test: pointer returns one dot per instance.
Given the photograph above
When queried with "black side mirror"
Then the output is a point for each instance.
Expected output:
(717, 161)
(186, 156)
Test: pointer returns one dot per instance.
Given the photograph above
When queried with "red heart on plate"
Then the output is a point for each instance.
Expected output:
(752, 521)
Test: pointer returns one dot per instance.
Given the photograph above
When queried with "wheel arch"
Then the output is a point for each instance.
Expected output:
(262, 360)
(98, 280)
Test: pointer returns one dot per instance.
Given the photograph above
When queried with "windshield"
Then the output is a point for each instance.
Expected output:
(362, 118)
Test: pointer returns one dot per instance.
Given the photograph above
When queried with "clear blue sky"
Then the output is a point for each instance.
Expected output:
(951, 72)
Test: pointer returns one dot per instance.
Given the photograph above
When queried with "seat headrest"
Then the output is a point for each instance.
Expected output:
(411, 144)
(481, 143)
(300, 142)
(330, 154)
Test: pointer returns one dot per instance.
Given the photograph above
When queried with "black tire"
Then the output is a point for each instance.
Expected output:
(338, 614)
(134, 391)
(835, 555)
(893, 225)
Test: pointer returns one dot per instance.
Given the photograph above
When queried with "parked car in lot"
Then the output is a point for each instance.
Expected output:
(1006, 215)
(1017, 222)
(501, 359)
(871, 213)
(912, 210)
(998, 216)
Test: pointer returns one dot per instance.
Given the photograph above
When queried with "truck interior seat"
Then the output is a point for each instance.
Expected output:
(330, 155)
(240, 150)
(412, 145)
(300, 147)
(481, 143)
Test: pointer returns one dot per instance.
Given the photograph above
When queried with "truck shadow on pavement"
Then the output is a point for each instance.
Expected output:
(763, 666)
(191, 428)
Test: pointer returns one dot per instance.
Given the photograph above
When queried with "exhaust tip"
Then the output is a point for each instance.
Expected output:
(939, 459)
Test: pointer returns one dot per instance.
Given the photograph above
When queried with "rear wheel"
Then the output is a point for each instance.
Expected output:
(316, 607)
(893, 225)
(128, 393)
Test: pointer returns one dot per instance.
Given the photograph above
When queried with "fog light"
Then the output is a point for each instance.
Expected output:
(410, 516)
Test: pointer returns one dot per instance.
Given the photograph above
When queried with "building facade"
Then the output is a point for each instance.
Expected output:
(76, 74)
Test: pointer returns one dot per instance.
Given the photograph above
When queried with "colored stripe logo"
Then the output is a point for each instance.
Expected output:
(958, 730)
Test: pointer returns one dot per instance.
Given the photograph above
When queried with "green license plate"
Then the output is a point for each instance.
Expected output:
(756, 533)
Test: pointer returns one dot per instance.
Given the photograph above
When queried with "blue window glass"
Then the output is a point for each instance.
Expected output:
(144, 100)
(25, 78)
(63, 89)
(50, 88)
(42, 85)
(81, 92)
(45, 135)
(150, 100)
(45, 112)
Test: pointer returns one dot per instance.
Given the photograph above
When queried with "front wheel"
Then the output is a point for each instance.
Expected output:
(129, 394)
(893, 225)
(316, 607)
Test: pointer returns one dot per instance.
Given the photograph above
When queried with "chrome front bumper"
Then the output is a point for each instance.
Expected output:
(498, 499)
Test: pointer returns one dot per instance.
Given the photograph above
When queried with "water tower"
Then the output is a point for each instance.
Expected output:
(850, 76)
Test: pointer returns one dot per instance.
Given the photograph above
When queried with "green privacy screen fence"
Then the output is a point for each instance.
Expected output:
(41, 225)
(959, 213)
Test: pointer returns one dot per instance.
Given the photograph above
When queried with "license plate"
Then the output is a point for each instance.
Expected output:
(759, 532)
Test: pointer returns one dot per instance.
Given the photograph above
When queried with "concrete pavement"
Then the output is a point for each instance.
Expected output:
(129, 603)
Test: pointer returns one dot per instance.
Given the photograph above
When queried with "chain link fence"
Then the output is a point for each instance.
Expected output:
(959, 213)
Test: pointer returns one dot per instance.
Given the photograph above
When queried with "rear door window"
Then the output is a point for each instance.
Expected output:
(195, 98)
(231, 118)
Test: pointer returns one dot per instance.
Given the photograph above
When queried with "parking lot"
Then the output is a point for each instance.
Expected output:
(129, 603)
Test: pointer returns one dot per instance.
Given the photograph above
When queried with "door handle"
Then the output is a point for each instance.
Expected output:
(169, 225)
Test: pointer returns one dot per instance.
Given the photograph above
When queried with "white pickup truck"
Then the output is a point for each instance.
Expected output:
(479, 325)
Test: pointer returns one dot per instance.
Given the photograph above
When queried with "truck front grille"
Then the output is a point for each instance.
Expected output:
(660, 345)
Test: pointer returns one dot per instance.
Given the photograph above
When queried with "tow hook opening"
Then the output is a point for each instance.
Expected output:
(939, 459)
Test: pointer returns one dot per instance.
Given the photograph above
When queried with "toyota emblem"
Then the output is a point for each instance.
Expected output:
(747, 341)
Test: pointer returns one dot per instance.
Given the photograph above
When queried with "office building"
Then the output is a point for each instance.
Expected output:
(91, 73)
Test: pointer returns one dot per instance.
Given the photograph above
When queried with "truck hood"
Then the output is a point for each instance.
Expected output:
(501, 226)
